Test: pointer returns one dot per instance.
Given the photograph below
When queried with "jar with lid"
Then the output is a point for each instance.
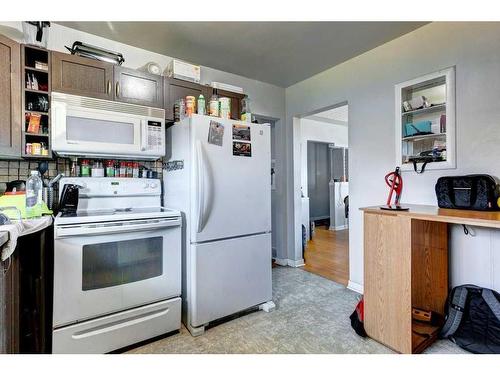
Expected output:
(135, 170)
(85, 168)
(213, 108)
(97, 169)
(130, 169)
(123, 169)
(110, 168)
(190, 105)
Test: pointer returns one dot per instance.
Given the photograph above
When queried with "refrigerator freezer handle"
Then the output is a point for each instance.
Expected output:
(200, 188)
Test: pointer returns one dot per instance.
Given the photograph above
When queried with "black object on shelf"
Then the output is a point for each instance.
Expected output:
(96, 53)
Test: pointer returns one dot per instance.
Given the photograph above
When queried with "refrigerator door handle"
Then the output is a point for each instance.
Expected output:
(201, 186)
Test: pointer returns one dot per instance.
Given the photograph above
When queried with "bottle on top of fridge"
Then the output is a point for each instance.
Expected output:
(130, 168)
(246, 113)
(190, 105)
(201, 109)
(34, 195)
(213, 109)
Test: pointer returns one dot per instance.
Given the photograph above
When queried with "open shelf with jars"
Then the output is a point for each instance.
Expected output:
(425, 121)
(36, 102)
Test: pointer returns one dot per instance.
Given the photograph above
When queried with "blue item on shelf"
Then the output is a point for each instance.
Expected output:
(414, 129)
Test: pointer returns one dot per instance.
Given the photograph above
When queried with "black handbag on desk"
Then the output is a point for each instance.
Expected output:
(471, 192)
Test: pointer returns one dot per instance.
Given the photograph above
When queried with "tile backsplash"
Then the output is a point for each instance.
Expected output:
(11, 170)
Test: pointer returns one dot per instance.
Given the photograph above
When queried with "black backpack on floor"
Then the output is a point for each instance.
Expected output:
(473, 320)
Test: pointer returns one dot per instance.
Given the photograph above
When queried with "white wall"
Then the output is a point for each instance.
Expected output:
(312, 130)
(367, 84)
(266, 99)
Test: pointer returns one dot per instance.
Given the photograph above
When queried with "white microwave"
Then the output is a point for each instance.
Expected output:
(92, 127)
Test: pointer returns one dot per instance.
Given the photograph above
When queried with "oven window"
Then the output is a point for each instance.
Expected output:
(121, 262)
(93, 130)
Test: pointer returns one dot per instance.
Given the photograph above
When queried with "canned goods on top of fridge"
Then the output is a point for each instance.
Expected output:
(225, 108)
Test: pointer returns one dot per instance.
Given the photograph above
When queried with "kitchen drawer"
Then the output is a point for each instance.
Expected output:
(119, 330)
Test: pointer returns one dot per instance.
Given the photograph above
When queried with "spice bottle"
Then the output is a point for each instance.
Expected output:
(201, 109)
(110, 168)
(85, 168)
(123, 169)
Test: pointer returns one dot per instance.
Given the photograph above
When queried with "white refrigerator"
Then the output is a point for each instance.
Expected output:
(218, 174)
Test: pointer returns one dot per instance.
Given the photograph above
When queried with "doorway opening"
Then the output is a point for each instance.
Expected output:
(274, 170)
(324, 174)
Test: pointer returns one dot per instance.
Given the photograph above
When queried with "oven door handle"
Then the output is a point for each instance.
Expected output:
(90, 229)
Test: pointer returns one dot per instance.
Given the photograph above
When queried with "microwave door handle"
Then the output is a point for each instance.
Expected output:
(144, 136)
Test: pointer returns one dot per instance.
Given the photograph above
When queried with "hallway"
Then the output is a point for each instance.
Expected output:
(327, 254)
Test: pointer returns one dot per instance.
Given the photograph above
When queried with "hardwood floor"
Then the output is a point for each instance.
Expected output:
(327, 254)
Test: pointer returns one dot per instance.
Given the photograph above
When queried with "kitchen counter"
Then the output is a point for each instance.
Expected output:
(4, 237)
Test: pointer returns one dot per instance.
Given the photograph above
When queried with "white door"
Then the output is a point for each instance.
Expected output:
(231, 179)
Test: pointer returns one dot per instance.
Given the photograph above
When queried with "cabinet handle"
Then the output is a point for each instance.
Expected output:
(109, 87)
(117, 91)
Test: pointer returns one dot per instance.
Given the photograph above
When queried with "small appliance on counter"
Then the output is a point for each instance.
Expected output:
(117, 265)
(69, 199)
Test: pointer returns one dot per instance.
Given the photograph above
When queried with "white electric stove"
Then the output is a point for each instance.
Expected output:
(117, 266)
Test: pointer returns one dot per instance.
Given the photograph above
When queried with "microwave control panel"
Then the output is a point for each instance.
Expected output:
(155, 136)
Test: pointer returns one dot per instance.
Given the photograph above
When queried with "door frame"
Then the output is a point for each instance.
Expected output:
(278, 234)
(295, 253)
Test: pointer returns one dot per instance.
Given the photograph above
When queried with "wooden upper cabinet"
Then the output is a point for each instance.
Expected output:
(235, 102)
(175, 89)
(10, 98)
(82, 76)
(132, 86)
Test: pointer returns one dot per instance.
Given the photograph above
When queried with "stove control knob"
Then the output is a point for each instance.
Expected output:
(146, 185)
(153, 185)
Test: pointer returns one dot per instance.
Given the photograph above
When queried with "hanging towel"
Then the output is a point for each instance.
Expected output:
(21, 228)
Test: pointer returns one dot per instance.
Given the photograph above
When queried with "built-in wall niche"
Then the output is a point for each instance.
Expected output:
(425, 121)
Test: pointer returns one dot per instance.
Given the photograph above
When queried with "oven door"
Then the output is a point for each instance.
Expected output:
(78, 130)
(101, 268)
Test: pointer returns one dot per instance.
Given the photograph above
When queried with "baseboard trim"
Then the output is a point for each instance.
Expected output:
(340, 227)
(289, 262)
(281, 262)
(358, 288)
(296, 263)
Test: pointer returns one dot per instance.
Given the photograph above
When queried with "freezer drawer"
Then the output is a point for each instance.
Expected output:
(229, 276)
(116, 331)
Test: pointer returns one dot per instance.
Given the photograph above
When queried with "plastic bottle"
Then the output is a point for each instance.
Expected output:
(201, 108)
(34, 195)
(246, 113)
(214, 106)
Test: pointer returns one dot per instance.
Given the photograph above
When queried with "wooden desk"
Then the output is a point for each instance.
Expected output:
(405, 266)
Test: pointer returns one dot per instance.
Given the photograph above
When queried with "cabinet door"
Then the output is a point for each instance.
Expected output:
(132, 86)
(10, 98)
(176, 89)
(81, 76)
(235, 102)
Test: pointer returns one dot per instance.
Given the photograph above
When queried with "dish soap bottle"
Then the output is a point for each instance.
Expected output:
(34, 196)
